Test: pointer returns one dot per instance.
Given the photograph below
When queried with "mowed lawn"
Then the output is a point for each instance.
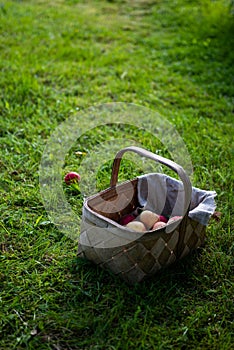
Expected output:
(174, 57)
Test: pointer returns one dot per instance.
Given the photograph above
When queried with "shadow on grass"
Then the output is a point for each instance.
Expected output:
(175, 276)
(97, 306)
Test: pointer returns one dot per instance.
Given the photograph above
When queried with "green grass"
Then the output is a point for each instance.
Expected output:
(175, 57)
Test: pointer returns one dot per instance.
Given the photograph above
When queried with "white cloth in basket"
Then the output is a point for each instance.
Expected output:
(165, 195)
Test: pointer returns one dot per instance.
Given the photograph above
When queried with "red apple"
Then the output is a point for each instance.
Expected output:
(72, 178)
(126, 219)
(158, 224)
(162, 218)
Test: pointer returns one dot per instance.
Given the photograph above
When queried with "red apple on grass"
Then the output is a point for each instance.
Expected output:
(72, 178)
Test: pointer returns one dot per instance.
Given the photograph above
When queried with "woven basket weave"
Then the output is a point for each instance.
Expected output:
(134, 255)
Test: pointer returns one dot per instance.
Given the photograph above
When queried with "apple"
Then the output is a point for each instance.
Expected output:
(148, 218)
(162, 218)
(126, 219)
(136, 226)
(72, 178)
(158, 224)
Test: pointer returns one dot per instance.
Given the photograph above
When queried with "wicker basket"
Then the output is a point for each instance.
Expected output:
(134, 255)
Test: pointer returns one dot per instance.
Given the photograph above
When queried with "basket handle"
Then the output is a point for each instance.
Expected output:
(172, 165)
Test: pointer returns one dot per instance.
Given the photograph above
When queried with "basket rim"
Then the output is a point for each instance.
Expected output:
(115, 224)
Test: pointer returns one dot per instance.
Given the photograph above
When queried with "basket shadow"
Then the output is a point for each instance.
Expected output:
(177, 277)
(95, 305)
